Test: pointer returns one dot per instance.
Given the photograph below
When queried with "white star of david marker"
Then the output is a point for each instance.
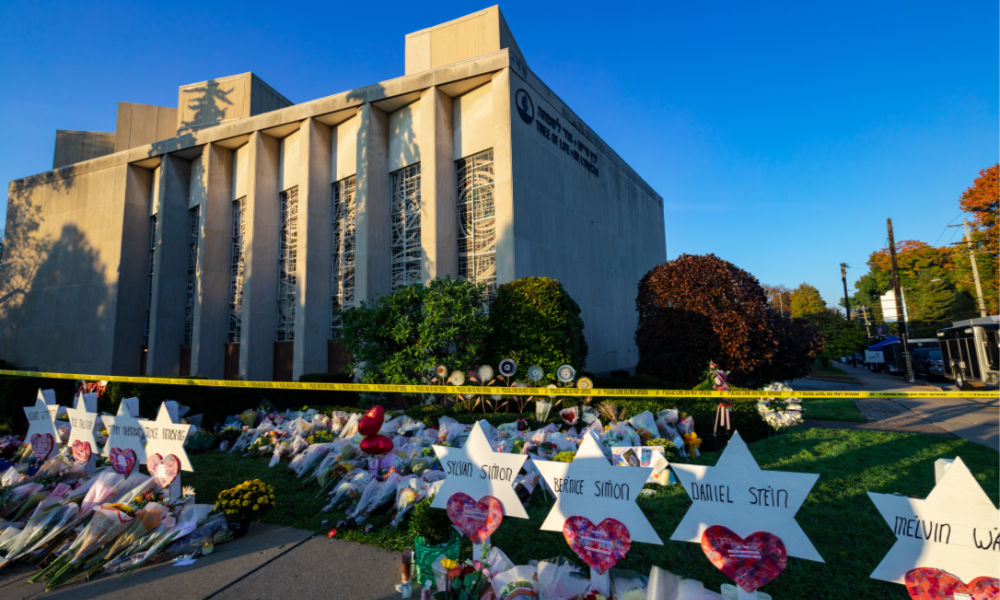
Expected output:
(125, 432)
(164, 436)
(41, 416)
(590, 487)
(956, 529)
(478, 471)
(738, 495)
(81, 420)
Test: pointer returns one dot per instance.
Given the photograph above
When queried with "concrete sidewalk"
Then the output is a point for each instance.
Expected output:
(270, 562)
(976, 420)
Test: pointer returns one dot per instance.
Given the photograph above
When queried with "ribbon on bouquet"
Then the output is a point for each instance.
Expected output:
(722, 415)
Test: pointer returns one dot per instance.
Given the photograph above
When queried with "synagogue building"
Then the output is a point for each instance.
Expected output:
(219, 238)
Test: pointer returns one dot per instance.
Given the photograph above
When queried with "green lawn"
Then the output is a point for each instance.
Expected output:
(831, 409)
(838, 516)
(832, 370)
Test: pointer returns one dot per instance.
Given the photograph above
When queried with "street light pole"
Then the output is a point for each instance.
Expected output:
(900, 315)
(847, 300)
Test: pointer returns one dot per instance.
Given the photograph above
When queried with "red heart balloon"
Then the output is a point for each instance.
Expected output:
(371, 423)
(376, 444)
(42, 444)
(749, 562)
(122, 461)
(477, 520)
(163, 470)
(600, 546)
(934, 584)
(81, 451)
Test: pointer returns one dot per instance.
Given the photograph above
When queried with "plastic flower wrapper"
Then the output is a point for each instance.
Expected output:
(18, 497)
(516, 583)
(36, 529)
(628, 585)
(410, 425)
(588, 415)
(432, 476)
(384, 496)
(108, 523)
(524, 486)
(570, 416)
(371, 492)
(249, 417)
(350, 487)
(134, 485)
(391, 426)
(313, 456)
(351, 427)
(560, 579)
(644, 425)
(145, 521)
(134, 553)
(685, 425)
(448, 430)
(666, 428)
(409, 492)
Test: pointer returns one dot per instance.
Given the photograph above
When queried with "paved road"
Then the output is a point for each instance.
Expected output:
(270, 562)
(973, 419)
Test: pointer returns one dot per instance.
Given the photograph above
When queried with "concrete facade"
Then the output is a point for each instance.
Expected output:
(267, 214)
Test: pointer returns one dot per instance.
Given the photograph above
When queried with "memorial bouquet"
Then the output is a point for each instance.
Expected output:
(249, 500)
(780, 412)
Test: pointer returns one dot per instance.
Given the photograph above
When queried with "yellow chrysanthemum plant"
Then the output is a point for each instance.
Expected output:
(248, 501)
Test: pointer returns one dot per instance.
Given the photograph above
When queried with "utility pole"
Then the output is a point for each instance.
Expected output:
(864, 313)
(975, 268)
(900, 315)
(847, 301)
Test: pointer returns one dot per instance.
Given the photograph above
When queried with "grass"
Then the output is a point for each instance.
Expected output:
(838, 516)
(831, 370)
(831, 409)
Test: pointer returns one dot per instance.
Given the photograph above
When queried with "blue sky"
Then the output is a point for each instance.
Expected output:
(780, 135)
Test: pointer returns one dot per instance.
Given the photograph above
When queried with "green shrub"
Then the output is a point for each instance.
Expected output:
(534, 321)
(400, 338)
(216, 403)
(432, 524)
(18, 392)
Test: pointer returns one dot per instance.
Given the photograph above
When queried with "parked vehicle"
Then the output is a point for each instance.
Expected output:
(875, 357)
(970, 351)
(895, 360)
(927, 363)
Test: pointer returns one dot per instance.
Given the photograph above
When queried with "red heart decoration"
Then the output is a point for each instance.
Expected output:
(42, 444)
(749, 562)
(371, 423)
(122, 461)
(935, 584)
(163, 470)
(376, 444)
(477, 520)
(81, 451)
(600, 546)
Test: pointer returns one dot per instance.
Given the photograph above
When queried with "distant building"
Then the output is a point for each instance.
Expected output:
(216, 238)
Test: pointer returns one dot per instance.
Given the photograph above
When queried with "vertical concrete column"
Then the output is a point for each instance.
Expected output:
(211, 308)
(437, 186)
(130, 305)
(503, 176)
(260, 274)
(312, 294)
(166, 321)
(373, 233)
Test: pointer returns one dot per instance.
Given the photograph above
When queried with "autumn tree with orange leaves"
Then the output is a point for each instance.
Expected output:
(982, 202)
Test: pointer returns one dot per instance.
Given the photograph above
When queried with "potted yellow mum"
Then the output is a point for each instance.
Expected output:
(247, 502)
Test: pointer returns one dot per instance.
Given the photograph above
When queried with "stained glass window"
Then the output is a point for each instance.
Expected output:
(405, 245)
(287, 251)
(342, 263)
(236, 270)
(477, 249)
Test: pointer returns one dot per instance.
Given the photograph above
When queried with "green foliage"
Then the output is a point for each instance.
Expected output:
(432, 524)
(840, 336)
(806, 301)
(534, 321)
(667, 445)
(402, 337)
(216, 403)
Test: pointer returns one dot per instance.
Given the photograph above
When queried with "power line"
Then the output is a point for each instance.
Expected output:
(945, 229)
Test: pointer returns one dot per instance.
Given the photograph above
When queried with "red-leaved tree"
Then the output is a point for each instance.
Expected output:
(697, 309)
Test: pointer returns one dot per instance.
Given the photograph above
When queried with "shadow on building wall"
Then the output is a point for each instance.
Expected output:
(209, 106)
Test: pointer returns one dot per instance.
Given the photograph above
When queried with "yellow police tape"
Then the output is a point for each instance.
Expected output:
(476, 390)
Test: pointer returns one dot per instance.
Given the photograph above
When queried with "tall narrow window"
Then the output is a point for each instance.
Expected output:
(342, 265)
(287, 249)
(477, 248)
(149, 280)
(194, 215)
(405, 248)
(236, 270)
